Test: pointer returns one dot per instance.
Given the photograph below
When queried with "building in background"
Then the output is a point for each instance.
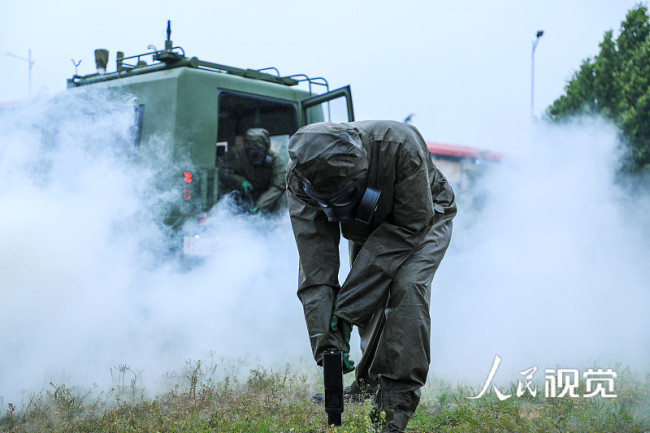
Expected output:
(461, 165)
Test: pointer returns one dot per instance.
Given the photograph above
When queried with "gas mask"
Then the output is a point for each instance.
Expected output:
(258, 156)
(353, 201)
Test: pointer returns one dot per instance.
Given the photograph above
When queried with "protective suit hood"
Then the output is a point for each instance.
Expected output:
(257, 138)
(257, 144)
(326, 156)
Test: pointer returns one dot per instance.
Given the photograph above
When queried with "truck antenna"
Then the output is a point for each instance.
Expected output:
(168, 42)
(76, 65)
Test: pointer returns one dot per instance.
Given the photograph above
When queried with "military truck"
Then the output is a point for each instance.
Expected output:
(204, 108)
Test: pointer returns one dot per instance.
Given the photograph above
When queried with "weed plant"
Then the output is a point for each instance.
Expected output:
(279, 401)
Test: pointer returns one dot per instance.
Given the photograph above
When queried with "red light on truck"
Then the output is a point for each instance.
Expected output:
(187, 194)
(188, 177)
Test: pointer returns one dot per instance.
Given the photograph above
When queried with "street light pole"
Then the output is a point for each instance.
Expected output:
(30, 63)
(532, 74)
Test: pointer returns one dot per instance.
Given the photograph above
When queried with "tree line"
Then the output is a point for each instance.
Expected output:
(615, 84)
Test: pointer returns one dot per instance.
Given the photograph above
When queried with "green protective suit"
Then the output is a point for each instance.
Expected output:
(267, 178)
(393, 258)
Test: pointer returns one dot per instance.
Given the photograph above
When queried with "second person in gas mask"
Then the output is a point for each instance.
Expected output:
(255, 173)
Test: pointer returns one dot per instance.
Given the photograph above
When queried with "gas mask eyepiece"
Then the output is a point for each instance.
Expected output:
(353, 201)
(258, 156)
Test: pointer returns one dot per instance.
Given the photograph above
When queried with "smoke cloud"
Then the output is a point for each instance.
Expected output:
(552, 269)
(87, 281)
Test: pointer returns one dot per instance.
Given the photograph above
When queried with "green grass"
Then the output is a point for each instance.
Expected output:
(279, 401)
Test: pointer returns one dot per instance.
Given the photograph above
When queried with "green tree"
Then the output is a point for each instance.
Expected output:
(616, 85)
(606, 80)
(580, 95)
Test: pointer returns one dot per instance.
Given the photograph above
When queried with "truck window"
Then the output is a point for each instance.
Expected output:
(333, 106)
(335, 110)
(239, 111)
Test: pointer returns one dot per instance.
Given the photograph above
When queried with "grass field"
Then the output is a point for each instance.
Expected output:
(279, 401)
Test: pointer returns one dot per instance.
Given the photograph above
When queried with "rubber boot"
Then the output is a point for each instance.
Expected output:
(358, 393)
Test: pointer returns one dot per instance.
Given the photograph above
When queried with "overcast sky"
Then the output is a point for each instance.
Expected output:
(463, 68)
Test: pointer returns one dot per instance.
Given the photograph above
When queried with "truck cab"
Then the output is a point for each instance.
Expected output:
(199, 109)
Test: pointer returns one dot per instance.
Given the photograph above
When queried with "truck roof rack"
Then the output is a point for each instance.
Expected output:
(174, 57)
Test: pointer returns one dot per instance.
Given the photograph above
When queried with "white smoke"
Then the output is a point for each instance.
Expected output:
(553, 270)
(87, 280)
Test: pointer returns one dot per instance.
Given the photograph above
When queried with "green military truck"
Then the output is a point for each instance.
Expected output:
(203, 108)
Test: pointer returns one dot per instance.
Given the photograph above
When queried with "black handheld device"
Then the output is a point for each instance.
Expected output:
(333, 379)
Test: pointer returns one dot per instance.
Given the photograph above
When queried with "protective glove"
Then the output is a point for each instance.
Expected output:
(348, 364)
(247, 188)
(344, 328)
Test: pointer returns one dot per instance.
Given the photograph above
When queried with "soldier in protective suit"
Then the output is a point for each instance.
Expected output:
(255, 172)
(374, 183)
